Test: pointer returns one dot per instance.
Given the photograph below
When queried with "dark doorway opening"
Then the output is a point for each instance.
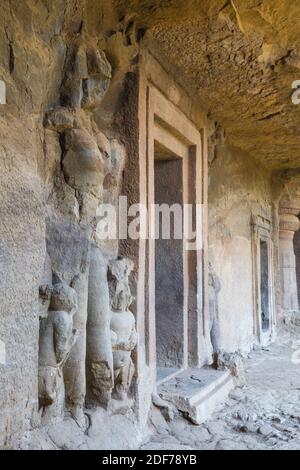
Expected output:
(169, 266)
(264, 285)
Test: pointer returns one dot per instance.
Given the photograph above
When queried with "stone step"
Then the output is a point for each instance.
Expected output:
(197, 392)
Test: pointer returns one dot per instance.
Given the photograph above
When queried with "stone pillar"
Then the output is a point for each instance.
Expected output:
(288, 225)
(99, 360)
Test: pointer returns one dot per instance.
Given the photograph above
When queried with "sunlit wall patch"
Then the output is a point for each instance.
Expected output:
(2, 353)
(2, 92)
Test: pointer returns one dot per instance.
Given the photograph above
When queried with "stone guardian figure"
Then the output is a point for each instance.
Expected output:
(122, 325)
(57, 337)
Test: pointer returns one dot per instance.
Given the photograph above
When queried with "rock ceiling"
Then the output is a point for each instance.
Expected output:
(242, 56)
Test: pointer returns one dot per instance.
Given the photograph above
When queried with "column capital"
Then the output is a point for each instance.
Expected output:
(289, 206)
(289, 223)
(288, 212)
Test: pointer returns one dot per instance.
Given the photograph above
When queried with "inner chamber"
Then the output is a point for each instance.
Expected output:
(169, 275)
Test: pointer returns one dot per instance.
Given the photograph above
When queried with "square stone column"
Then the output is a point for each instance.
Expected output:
(289, 224)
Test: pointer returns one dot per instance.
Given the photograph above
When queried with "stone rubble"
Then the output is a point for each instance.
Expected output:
(158, 101)
(262, 415)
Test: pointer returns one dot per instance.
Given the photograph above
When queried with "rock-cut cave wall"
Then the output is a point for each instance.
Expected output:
(238, 190)
(64, 149)
(61, 155)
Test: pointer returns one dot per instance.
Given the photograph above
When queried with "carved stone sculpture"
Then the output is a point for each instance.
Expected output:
(78, 190)
(99, 360)
(214, 287)
(87, 77)
(45, 288)
(83, 163)
(122, 325)
(57, 338)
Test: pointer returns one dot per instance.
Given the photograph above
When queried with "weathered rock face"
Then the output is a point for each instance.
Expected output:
(237, 190)
(241, 57)
(57, 165)
(22, 255)
(69, 141)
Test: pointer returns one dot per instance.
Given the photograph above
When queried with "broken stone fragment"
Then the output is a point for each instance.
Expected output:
(242, 414)
(165, 408)
(59, 119)
(266, 430)
(273, 441)
(234, 363)
(248, 428)
(237, 395)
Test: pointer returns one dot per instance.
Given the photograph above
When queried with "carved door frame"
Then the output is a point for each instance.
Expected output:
(261, 232)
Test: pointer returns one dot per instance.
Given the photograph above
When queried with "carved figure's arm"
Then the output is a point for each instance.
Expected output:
(113, 338)
(64, 339)
(133, 338)
(131, 343)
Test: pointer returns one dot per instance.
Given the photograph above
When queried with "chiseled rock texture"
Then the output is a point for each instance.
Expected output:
(242, 57)
(57, 68)
(63, 146)
(263, 415)
(238, 188)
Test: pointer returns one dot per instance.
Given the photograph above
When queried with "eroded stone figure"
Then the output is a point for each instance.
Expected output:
(84, 171)
(83, 163)
(45, 288)
(122, 325)
(99, 359)
(87, 77)
(214, 287)
(57, 337)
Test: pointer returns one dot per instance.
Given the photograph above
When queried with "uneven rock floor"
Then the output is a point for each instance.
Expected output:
(263, 415)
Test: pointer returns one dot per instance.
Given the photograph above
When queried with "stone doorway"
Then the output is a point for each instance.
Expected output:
(264, 286)
(172, 141)
(176, 319)
(169, 263)
(263, 283)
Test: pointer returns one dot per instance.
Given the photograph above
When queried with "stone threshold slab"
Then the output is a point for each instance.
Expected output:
(197, 392)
